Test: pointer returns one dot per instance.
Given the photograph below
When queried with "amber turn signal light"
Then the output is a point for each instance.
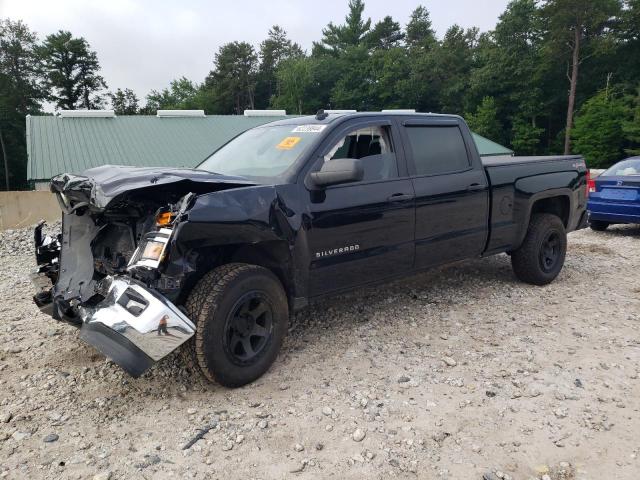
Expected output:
(164, 218)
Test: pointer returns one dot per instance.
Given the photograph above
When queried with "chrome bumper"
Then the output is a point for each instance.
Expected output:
(134, 326)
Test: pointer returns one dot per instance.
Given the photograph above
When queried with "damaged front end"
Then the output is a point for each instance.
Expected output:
(102, 272)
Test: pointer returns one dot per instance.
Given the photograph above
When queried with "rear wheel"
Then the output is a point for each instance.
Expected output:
(241, 315)
(598, 225)
(541, 256)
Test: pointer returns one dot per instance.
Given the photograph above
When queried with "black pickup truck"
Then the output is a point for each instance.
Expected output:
(217, 257)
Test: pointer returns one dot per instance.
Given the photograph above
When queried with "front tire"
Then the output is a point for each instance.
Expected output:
(241, 315)
(541, 256)
(598, 226)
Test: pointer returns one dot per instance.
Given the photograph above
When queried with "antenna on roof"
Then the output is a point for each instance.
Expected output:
(321, 114)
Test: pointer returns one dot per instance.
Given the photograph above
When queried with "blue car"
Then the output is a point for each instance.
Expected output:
(614, 196)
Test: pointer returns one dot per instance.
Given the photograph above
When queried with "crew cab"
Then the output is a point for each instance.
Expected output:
(218, 256)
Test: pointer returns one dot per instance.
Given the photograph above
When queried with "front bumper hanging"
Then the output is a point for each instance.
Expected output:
(133, 325)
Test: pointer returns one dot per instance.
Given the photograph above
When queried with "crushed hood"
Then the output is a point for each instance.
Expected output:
(97, 187)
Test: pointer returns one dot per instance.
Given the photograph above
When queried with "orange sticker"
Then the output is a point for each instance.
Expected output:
(288, 143)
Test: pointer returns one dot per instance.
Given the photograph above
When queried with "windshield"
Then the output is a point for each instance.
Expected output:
(631, 166)
(263, 151)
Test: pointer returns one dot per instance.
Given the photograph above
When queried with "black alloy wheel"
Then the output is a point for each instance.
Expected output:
(248, 328)
(550, 251)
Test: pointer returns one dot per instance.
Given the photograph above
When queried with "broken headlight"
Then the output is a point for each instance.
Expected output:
(151, 250)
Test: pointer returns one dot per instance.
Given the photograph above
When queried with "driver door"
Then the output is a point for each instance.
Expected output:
(362, 232)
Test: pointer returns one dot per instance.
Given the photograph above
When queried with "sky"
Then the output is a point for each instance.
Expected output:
(144, 44)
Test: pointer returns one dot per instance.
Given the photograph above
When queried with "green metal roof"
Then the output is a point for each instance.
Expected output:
(489, 148)
(56, 145)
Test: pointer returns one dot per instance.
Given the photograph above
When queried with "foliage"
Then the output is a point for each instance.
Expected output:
(70, 71)
(631, 127)
(485, 120)
(576, 31)
(124, 102)
(525, 137)
(182, 94)
(21, 94)
(273, 51)
(232, 82)
(598, 132)
(338, 38)
(294, 82)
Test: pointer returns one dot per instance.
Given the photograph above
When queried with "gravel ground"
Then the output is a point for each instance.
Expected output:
(457, 373)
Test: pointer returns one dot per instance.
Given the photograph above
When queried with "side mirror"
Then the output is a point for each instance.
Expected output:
(337, 171)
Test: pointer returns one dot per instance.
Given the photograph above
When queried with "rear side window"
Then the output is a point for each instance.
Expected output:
(437, 150)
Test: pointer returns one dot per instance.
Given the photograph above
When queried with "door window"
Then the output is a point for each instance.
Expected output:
(372, 145)
(436, 150)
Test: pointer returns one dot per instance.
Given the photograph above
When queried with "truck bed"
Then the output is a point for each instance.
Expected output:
(505, 160)
(515, 182)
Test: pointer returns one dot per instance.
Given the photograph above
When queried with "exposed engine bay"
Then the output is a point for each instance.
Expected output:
(102, 272)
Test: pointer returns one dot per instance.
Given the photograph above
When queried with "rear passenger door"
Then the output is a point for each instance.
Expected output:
(451, 187)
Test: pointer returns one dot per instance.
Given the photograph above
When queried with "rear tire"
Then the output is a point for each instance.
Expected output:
(541, 256)
(241, 315)
(598, 225)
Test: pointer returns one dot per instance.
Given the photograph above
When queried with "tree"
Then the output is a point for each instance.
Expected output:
(419, 31)
(631, 127)
(385, 34)
(598, 132)
(294, 83)
(418, 88)
(21, 94)
(485, 120)
(124, 102)
(274, 50)
(182, 94)
(232, 82)
(450, 68)
(337, 38)
(574, 27)
(71, 71)
(525, 136)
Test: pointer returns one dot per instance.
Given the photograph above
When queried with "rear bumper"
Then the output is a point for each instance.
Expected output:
(614, 212)
(614, 217)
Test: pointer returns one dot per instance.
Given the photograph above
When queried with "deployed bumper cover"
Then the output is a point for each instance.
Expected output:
(134, 326)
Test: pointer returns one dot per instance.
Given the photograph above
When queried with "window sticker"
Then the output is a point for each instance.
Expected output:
(308, 129)
(288, 143)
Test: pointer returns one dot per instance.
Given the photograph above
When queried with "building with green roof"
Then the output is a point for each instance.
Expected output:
(81, 140)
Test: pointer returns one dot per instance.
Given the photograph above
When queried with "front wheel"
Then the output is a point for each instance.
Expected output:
(598, 225)
(241, 315)
(541, 256)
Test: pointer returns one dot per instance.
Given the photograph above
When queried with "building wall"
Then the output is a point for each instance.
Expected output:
(24, 209)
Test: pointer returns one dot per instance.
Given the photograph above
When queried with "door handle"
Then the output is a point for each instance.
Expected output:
(475, 186)
(399, 197)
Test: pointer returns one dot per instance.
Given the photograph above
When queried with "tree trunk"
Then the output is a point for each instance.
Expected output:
(572, 91)
(6, 162)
